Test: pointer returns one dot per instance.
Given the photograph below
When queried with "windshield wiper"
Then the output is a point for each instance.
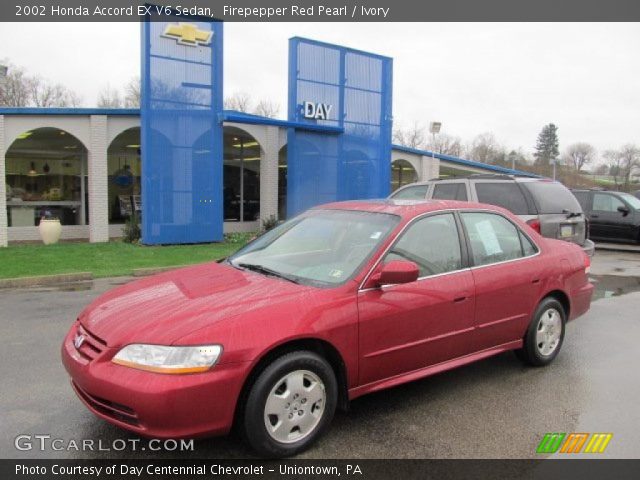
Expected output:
(254, 267)
(571, 214)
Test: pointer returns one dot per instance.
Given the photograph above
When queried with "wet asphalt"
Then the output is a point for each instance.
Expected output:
(496, 408)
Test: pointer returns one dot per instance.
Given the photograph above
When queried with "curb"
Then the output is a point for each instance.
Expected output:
(612, 247)
(44, 280)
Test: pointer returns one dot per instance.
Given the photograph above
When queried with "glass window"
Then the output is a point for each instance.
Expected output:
(241, 176)
(493, 238)
(432, 243)
(46, 176)
(503, 194)
(402, 173)
(631, 200)
(319, 247)
(605, 202)
(527, 245)
(552, 197)
(583, 199)
(419, 192)
(450, 191)
(124, 170)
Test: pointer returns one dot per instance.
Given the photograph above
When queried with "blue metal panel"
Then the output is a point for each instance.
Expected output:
(354, 164)
(181, 133)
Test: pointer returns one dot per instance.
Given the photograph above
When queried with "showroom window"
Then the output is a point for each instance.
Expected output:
(402, 173)
(241, 192)
(124, 170)
(46, 176)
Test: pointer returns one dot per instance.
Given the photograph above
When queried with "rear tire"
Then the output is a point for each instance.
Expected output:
(291, 403)
(545, 334)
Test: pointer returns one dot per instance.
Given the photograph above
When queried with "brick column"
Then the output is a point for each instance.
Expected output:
(3, 182)
(98, 181)
(269, 175)
(430, 168)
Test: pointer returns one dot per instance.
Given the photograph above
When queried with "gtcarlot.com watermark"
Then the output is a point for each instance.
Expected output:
(48, 443)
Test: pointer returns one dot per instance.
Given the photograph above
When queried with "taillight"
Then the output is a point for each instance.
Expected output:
(587, 264)
(535, 224)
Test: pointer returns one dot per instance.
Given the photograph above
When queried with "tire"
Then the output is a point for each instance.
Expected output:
(290, 404)
(545, 334)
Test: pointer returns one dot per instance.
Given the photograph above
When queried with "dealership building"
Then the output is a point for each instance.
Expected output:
(194, 171)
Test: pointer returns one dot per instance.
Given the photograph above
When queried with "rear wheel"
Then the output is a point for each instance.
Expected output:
(290, 404)
(545, 334)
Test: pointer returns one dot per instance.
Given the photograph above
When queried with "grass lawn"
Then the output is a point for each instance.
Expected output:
(107, 259)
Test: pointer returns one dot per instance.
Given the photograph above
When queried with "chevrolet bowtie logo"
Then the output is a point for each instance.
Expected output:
(188, 34)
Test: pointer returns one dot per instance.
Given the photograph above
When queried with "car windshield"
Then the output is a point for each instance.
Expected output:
(319, 247)
(553, 197)
(631, 200)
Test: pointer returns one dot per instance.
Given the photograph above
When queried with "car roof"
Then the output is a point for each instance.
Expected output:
(503, 177)
(406, 208)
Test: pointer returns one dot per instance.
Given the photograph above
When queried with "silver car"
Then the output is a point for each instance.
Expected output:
(546, 205)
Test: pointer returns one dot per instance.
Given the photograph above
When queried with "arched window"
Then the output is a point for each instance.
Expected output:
(124, 168)
(46, 176)
(402, 173)
(241, 176)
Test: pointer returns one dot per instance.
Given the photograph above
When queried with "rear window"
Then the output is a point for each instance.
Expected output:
(450, 191)
(552, 197)
(503, 194)
(411, 193)
(583, 198)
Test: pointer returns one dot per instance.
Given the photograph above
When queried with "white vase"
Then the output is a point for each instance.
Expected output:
(50, 230)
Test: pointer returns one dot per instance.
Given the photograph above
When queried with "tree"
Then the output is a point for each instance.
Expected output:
(624, 162)
(412, 137)
(446, 145)
(239, 101)
(579, 154)
(14, 92)
(22, 90)
(132, 93)
(267, 108)
(486, 149)
(109, 98)
(547, 145)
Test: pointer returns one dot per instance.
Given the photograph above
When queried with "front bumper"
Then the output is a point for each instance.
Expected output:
(152, 404)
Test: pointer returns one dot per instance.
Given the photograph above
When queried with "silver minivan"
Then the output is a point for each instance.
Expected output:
(546, 205)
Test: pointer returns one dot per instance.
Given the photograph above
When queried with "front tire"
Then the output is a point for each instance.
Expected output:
(291, 403)
(545, 334)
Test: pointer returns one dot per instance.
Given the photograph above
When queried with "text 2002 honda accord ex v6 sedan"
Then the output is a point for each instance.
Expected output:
(343, 300)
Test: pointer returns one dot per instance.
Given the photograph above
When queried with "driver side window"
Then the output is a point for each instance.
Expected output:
(432, 243)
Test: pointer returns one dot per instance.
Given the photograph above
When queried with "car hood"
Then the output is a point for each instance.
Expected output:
(163, 308)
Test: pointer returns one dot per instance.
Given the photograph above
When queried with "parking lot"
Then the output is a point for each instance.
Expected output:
(496, 408)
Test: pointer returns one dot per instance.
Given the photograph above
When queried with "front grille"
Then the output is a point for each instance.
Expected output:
(92, 345)
(113, 410)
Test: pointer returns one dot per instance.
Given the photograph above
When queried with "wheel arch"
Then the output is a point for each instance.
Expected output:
(561, 297)
(322, 347)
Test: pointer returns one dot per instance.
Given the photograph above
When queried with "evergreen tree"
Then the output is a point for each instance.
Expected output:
(547, 146)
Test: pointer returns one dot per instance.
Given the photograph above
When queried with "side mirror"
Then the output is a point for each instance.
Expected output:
(396, 272)
(624, 211)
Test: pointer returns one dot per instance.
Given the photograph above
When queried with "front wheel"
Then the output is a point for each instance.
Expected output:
(545, 334)
(291, 402)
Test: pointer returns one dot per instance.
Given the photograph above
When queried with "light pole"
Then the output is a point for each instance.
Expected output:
(434, 128)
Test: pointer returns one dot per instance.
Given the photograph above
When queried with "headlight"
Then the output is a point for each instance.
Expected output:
(164, 359)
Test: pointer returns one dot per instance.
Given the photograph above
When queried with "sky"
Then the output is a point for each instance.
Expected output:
(506, 78)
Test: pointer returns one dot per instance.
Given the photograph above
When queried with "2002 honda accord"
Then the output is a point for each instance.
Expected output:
(345, 299)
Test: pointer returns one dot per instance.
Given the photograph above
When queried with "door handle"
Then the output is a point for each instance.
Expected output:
(459, 299)
(535, 280)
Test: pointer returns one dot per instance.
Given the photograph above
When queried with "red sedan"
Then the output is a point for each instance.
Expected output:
(343, 300)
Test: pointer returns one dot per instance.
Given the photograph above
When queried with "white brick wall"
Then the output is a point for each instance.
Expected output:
(3, 195)
(98, 180)
(430, 168)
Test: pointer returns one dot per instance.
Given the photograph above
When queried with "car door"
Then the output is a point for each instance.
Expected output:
(410, 326)
(606, 221)
(505, 272)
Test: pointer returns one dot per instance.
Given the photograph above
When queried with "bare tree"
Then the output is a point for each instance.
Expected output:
(14, 91)
(413, 136)
(446, 145)
(132, 93)
(579, 154)
(46, 94)
(267, 108)
(486, 149)
(239, 101)
(629, 156)
(109, 98)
